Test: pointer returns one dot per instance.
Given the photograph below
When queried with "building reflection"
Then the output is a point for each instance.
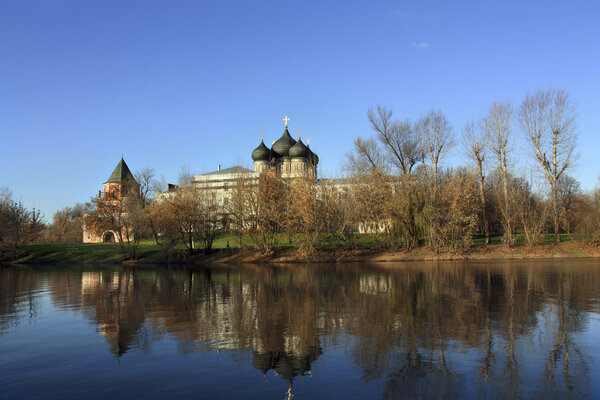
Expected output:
(117, 308)
(410, 326)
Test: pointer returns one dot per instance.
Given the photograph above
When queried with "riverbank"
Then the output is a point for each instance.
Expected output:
(491, 252)
(149, 253)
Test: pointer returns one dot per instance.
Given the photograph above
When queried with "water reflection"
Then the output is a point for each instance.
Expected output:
(421, 330)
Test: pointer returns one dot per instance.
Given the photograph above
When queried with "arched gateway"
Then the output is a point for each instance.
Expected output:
(109, 237)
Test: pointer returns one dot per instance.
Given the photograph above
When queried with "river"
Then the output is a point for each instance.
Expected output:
(494, 329)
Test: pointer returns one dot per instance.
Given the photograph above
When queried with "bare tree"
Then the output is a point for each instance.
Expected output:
(337, 212)
(185, 177)
(5, 195)
(149, 185)
(366, 158)
(530, 209)
(547, 118)
(590, 217)
(398, 139)
(373, 196)
(187, 215)
(569, 192)
(476, 149)
(211, 213)
(242, 206)
(301, 214)
(163, 225)
(60, 224)
(458, 211)
(436, 138)
(498, 127)
(19, 225)
(268, 205)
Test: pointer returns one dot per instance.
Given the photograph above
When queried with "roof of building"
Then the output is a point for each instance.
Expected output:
(233, 170)
(261, 153)
(121, 173)
(299, 150)
(283, 144)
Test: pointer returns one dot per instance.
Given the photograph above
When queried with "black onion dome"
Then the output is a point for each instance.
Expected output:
(283, 144)
(261, 153)
(299, 150)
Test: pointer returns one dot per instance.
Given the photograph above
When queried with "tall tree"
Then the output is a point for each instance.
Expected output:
(547, 117)
(398, 139)
(242, 205)
(569, 192)
(271, 200)
(61, 221)
(366, 157)
(498, 127)
(436, 137)
(476, 149)
(187, 215)
(337, 212)
(149, 185)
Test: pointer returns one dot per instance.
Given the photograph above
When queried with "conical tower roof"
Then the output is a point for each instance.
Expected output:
(121, 173)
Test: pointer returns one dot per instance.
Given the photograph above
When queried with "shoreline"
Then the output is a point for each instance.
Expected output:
(565, 250)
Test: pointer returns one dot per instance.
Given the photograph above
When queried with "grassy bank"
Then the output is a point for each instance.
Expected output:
(225, 249)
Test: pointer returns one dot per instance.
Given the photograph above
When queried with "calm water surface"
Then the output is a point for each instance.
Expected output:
(410, 330)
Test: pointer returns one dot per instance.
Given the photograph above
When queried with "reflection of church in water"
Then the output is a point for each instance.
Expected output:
(118, 302)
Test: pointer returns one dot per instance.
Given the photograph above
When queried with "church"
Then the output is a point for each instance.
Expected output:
(287, 158)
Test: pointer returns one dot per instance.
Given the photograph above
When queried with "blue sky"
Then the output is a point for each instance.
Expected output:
(175, 84)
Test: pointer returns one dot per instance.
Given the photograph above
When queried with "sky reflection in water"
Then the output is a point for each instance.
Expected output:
(432, 330)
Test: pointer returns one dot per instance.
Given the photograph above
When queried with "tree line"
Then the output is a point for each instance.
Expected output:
(19, 225)
(395, 190)
(400, 165)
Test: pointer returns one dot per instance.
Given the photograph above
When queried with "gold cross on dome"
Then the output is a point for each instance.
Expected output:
(299, 134)
(307, 141)
(286, 119)
(262, 136)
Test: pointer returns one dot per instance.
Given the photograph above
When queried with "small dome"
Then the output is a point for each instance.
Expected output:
(261, 153)
(283, 144)
(299, 150)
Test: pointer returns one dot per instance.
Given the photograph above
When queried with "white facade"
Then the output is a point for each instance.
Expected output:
(221, 182)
